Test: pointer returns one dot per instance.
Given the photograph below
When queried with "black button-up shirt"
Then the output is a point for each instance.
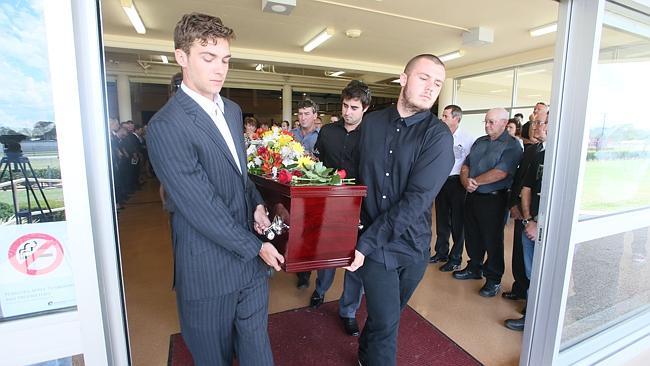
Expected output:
(404, 162)
(337, 148)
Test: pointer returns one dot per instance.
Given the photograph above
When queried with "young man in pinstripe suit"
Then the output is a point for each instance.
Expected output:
(197, 149)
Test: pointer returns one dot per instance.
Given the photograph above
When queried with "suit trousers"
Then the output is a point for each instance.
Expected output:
(520, 286)
(484, 233)
(450, 204)
(387, 293)
(352, 290)
(215, 328)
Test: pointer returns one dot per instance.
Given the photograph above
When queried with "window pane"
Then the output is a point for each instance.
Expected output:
(485, 91)
(473, 124)
(617, 170)
(35, 276)
(610, 281)
(534, 84)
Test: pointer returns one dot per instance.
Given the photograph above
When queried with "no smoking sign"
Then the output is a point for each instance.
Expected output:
(36, 254)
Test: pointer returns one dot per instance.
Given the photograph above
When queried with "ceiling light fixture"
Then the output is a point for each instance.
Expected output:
(451, 56)
(259, 67)
(323, 36)
(337, 73)
(134, 17)
(164, 59)
(282, 7)
(544, 29)
(395, 81)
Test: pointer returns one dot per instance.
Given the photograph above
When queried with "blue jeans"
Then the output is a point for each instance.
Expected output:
(529, 253)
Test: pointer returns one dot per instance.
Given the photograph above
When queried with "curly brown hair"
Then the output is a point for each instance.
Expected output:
(201, 27)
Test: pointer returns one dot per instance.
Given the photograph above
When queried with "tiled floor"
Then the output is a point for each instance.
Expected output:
(455, 307)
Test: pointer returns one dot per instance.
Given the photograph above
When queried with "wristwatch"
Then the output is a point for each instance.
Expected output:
(526, 221)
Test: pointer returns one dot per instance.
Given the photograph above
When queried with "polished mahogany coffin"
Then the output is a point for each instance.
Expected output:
(316, 227)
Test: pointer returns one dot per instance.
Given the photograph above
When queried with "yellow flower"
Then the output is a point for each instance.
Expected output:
(283, 140)
(297, 147)
(305, 162)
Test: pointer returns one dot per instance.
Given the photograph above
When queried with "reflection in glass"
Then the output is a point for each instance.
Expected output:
(485, 91)
(617, 170)
(610, 281)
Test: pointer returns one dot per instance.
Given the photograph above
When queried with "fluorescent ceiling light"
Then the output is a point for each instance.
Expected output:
(395, 81)
(323, 36)
(545, 29)
(451, 56)
(259, 67)
(164, 59)
(134, 17)
(338, 73)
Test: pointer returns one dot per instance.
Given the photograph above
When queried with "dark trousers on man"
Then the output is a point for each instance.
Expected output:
(216, 328)
(520, 286)
(484, 233)
(387, 293)
(450, 204)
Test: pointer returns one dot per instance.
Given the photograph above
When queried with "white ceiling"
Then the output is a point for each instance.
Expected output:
(387, 42)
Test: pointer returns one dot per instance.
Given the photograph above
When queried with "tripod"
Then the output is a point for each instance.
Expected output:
(22, 168)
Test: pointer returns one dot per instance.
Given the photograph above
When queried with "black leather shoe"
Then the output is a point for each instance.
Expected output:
(516, 324)
(316, 300)
(351, 326)
(303, 280)
(512, 296)
(467, 274)
(438, 258)
(490, 289)
(448, 267)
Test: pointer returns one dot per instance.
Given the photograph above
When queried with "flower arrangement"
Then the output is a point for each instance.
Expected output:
(275, 154)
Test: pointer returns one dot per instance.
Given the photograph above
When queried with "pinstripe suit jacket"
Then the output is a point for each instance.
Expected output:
(215, 249)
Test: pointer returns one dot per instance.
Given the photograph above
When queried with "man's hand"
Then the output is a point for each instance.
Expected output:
(357, 262)
(270, 256)
(531, 230)
(262, 221)
(515, 213)
(472, 185)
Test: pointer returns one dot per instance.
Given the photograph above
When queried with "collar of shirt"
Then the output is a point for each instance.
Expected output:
(298, 131)
(341, 124)
(206, 104)
(410, 120)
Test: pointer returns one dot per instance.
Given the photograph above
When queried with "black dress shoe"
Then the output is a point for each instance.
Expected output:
(516, 324)
(490, 289)
(512, 296)
(316, 300)
(303, 280)
(351, 326)
(438, 258)
(467, 274)
(448, 267)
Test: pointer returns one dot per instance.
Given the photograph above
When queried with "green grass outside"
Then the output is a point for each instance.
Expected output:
(54, 198)
(616, 185)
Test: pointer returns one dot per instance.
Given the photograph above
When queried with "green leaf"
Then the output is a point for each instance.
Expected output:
(336, 179)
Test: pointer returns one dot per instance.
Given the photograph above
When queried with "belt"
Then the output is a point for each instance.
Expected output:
(454, 176)
(493, 193)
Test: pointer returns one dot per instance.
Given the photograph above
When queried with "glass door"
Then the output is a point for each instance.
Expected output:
(590, 290)
(60, 298)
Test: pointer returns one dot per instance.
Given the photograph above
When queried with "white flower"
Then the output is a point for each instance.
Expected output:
(257, 161)
(251, 149)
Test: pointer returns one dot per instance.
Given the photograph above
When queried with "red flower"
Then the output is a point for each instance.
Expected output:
(297, 173)
(284, 177)
(341, 173)
(262, 150)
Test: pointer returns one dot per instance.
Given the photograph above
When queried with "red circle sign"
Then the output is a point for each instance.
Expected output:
(35, 254)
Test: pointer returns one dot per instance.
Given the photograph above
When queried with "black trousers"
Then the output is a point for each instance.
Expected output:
(387, 293)
(450, 204)
(484, 233)
(520, 286)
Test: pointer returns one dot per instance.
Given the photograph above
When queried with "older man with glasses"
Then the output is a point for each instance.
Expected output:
(486, 175)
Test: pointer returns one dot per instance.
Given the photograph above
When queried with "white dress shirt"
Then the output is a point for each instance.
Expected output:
(462, 144)
(215, 109)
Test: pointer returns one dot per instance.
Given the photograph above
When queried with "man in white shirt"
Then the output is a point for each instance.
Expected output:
(451, 199)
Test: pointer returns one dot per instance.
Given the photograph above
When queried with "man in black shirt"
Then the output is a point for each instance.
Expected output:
(337, 147)
(530, 192)
(406, 154)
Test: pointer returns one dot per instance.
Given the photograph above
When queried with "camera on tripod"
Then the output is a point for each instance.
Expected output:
(19, 170)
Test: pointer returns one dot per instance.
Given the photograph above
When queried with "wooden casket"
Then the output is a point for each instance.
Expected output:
(317, 225)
